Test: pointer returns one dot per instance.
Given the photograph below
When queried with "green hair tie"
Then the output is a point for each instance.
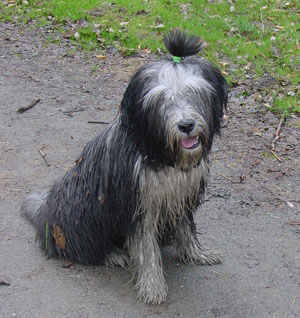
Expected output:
(176, 59)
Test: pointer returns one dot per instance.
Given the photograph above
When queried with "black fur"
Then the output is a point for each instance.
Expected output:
(178, 43)
(93, 208)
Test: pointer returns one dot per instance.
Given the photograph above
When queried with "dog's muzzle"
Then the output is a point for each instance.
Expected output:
(187, 126)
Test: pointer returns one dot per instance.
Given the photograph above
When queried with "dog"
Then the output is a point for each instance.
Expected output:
(137, 184)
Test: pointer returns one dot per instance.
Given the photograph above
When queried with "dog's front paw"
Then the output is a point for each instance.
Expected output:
(152, 290)
(200, 256)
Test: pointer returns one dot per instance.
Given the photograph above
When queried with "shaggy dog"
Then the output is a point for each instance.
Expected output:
(137, 184)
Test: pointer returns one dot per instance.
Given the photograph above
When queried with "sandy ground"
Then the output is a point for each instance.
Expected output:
(251, 211)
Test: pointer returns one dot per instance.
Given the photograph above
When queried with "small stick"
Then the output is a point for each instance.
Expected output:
(98, 122)
(274, 154)
(277, 134)
(292, 223)
(75, 110)
(227, 178)
(24, 108)
(4, 282)
(44, 157)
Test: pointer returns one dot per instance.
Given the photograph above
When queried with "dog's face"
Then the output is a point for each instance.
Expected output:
(174, 110)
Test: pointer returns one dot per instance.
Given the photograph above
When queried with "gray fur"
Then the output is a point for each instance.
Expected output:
(137, 184)
(31, 204)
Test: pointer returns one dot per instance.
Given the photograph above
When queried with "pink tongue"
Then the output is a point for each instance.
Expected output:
(189, 142)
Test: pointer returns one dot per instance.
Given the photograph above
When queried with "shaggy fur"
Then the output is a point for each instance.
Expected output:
(139, 181)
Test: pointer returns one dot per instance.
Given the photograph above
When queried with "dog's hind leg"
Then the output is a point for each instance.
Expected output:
(117, 257)
(145, 255)
(189, 249)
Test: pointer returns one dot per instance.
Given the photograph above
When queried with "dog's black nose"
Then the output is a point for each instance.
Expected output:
(186, 125)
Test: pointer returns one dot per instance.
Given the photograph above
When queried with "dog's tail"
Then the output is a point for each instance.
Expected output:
(180, 44)
(32, 203)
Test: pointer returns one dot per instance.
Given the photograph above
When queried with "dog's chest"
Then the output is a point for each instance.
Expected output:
(168, 191)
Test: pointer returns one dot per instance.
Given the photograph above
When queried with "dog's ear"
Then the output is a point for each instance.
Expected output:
(220, 96)
(133, 94)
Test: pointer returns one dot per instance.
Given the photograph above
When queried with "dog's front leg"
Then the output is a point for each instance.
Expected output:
(145, 256)
(189, 249)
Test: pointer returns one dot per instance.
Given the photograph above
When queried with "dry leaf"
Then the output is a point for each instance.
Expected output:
(101, 57)
(224, 64)
(159, 26)
(289, 204)
(59, 237)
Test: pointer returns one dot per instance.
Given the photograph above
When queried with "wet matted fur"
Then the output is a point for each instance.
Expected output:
(139, 181)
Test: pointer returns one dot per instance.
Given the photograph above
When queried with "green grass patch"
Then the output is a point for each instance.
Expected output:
(286, 104)
(247, 39)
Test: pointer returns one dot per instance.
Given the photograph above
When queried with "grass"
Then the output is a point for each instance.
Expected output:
(246, 40)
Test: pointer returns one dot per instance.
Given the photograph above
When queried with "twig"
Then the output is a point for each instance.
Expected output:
(98, 122)
(227, 178)
(277, 134)
(274, 154)
(4, 282)
(44, 157)
(292, 223)
(75, 110)
(24, 108)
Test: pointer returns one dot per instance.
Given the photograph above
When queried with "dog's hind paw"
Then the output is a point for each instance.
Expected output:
(117, 258)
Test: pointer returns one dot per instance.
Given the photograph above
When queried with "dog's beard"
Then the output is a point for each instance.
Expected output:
(186, 158)
(188, 148)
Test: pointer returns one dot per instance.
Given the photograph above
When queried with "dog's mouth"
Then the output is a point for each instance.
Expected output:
(190, 142)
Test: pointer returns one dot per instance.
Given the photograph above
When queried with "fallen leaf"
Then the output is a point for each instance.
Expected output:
(59, 237)
(159, 26)
(224, 64)
(289, 204)
(101, 57)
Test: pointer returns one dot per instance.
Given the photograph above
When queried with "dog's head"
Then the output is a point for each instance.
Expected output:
(173, 107)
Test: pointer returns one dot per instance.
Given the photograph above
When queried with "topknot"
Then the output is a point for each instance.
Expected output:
(180, 44)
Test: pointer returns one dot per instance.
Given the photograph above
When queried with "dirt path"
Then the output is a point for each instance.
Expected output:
(251, 212)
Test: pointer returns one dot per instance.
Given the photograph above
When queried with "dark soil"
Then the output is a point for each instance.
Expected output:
(251, 211)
